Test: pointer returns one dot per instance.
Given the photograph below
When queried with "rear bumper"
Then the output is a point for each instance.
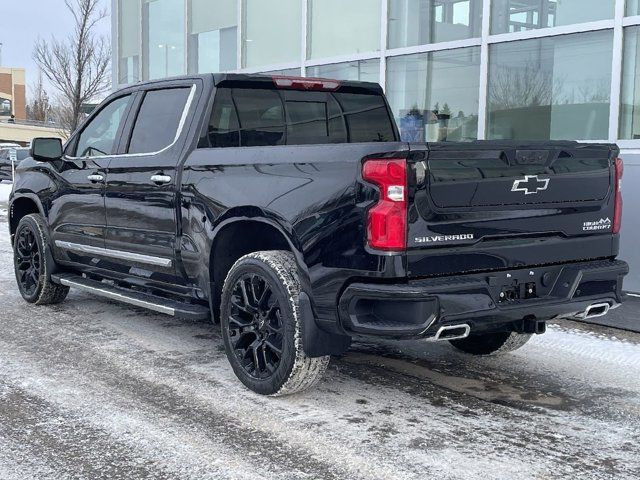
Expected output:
(420, 308)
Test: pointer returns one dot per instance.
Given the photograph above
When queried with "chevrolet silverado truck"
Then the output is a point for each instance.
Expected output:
(289, 211)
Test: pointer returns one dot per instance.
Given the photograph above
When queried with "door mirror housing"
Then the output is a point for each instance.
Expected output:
(46, 149)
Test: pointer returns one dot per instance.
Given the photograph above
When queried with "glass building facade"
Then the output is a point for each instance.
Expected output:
(453, 70)
(483, 69)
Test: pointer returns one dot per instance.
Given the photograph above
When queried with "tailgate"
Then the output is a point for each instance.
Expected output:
(505, 204)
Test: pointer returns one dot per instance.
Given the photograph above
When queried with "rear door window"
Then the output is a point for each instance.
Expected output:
(158, 120)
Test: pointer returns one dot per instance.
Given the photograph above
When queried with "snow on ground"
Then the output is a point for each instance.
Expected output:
(5, 190)
(92, 389)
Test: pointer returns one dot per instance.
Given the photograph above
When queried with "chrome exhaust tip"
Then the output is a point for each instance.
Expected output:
(452, 332)
(594, 311)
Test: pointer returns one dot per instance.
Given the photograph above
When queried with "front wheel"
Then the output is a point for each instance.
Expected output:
(261, 325)
(33, 263)
(491, 343)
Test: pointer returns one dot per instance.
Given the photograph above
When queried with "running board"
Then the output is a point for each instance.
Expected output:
(158, 304)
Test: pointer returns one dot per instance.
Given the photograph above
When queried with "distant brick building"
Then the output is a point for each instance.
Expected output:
(13, 94)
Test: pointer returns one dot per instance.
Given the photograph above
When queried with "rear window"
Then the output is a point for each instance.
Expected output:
(262, 117)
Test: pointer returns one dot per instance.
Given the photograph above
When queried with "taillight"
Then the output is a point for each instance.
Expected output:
(387, 220)
(300, 83)
(617, 209)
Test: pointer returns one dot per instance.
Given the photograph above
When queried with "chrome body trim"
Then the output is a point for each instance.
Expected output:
(183, 120)
(119, 297)
(119, 254)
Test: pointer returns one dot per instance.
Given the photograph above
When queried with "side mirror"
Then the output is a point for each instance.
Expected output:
(46, 149)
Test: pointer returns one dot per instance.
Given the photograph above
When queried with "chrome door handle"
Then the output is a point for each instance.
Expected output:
(160, 179)
(95, 178)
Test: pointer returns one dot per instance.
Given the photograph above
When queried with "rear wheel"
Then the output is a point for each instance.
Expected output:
(491, 343)
(33, 263)
(261, 326)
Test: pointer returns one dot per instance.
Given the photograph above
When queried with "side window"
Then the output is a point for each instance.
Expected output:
(99, 137)
(261, 117)
(223, 129)
(158, 120)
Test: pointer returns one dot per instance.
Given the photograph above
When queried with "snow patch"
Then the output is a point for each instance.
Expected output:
(5, 190)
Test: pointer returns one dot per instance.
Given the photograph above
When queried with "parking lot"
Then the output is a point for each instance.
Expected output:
(92, 389)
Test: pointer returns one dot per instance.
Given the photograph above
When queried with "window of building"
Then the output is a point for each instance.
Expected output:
(213, 36)
(434, 96)
(420, 22)
(359, 70)
(519, 15)
(339, 28)
(551, 88)
(632, 7)
(271, 32)
(5, 106)
(630, 93)
(158, 120)
(98, 138)
(163, 25)
(128, 41)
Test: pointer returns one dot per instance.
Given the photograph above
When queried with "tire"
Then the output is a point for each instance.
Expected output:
(492, 343)
(261, 326)
(33, 263)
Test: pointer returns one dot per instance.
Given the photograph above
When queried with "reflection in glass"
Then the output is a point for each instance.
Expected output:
(551, 88)
(420, 22)
(630, 94)
(434, 96)
(272, 32)
(633, 7)
(338, 27)
(163, 38)
(359, 70)
(212, 36)
(128, 41)
(519, 15)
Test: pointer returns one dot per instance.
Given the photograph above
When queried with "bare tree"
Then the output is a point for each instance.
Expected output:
(39, 107)
(78, 66)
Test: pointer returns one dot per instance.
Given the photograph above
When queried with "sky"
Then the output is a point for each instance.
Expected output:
(23, 21)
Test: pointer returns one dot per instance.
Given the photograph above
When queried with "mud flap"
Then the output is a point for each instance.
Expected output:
(317, 342)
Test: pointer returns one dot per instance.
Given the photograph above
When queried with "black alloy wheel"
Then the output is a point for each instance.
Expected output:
(28, 260)
(33, 262)
(255, 326)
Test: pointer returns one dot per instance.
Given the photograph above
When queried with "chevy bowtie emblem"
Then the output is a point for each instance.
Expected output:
(530, 185)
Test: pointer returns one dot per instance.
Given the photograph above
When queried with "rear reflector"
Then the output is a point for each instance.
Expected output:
(309, 84)
(387, 219)
(617, 209)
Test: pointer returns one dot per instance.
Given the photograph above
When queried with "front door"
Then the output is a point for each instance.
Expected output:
(77, 212)
(141, 187)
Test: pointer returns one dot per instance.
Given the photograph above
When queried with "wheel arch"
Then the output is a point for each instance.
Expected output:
(20, 206)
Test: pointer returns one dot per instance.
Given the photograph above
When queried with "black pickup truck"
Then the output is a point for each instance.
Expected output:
(289, 210)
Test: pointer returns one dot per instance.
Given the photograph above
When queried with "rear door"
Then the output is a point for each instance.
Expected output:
(488, 205)
(141, 185)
